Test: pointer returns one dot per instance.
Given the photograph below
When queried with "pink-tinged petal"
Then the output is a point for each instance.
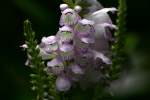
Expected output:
(63, 84)
(65, 28)
(102, 57)
(76, 69)
(66, 48)
(87, 40)
(49, 40)
(69, 10)
(55, 62)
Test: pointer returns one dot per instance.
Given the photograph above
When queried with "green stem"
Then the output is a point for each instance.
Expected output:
(39, 78)
(119, 54)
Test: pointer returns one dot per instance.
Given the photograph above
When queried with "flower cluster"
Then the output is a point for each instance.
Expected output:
(80, 49)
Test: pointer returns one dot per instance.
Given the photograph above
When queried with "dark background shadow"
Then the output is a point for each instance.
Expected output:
(44, 15)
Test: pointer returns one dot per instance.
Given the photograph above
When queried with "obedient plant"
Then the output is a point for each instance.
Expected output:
(77, 56)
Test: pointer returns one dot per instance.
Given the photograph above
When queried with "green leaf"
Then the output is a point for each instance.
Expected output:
(69, 2)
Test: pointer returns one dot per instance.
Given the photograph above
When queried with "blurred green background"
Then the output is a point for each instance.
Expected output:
(44, 15)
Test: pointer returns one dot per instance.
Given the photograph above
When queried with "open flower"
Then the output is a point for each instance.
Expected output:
(69, 17)
(85, 31)
(48, 47)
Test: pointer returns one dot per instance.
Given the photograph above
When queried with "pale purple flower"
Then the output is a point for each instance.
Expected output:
(48, 47)
(85, 31)
(65, 33)
(63, 84)
(55, 66)
(69, 17)
(80, 45)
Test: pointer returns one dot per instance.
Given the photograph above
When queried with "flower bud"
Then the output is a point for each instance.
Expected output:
(77, 8)
(63, 7)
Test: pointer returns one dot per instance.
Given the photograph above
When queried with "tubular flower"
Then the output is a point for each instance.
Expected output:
(63, 84)
(80, 46)
(70, 16)
(48, 47)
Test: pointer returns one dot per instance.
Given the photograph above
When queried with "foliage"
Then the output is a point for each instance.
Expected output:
(42, 84)
(118, 48)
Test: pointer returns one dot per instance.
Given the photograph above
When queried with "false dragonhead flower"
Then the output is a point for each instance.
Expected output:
(80, 47)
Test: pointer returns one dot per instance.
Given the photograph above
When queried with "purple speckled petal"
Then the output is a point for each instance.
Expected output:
(63, 84)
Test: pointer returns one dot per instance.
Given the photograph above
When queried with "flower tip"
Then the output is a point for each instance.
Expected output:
(24, 46)
(77, 8)
(63, 7)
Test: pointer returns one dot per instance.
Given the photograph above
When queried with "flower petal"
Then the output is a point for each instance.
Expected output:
(63, 84)
(49, 40)
(69, 17)
(76, 69)
(45, 55)
(89, 6)
(103, 57)
(66, 47)
(100, 17)
(55, 62)
(87, 40)
(63, 7)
